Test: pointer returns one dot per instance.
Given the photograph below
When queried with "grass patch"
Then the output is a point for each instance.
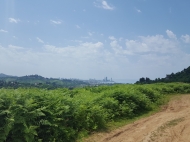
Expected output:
(171, 123)
(160, 131)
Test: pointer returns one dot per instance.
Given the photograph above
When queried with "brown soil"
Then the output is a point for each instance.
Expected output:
(171, 124)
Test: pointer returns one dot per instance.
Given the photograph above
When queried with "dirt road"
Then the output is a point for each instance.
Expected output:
(172, 124)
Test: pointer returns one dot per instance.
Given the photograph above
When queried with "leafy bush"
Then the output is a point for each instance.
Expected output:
(40, 115)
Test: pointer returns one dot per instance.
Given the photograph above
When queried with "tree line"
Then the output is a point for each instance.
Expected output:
(39, 82)
(182, 76)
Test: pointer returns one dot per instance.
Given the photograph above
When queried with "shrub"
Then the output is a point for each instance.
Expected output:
(40, 115)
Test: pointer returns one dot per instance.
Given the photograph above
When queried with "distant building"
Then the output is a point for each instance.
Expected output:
(107, 80)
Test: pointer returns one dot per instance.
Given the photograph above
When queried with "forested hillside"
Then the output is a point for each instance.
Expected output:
(182, 76)
(38, 81)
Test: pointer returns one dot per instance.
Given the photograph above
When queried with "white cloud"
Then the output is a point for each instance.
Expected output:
(134, 46)
(138, 10)
(144, 45)
(77, 41)
(117, 48)
(3, 31)
(157, 44)
(112, 38)
(84, 60)
(56, 22)
(90, 33)
(171, 34)
(13, 20)
(82, 50)
(104, 5)
(15, 47)
(151, 56)
(85, 37)
(39, 40)
(185, 38)
(77, 26)
(15, 37)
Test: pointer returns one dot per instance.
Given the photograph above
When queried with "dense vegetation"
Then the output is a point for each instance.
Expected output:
(182, 76)
(62, 115)
(38, 82)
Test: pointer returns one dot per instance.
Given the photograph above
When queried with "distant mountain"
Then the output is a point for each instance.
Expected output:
(182, 76)
(38, 81)
(4, 75)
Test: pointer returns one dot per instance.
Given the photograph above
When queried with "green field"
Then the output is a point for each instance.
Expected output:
(61, 115)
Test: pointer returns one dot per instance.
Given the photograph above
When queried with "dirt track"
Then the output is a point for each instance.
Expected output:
(172, 124)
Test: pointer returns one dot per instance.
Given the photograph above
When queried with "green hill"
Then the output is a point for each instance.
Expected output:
(38, 81)
(4, 75)
(182, 76)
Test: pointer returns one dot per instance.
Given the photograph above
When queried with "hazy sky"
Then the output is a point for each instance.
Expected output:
(94, 38)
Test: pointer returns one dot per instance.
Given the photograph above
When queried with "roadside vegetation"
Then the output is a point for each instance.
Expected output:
(63, 115)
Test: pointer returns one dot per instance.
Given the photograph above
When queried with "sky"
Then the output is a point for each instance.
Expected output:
(118, 39)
